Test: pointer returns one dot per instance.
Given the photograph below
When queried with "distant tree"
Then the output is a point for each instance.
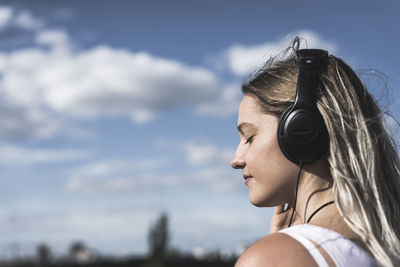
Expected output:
(13, 250)
(78, 252)
(174, 253)
(43, 253)
(76, 247)
(159, 237)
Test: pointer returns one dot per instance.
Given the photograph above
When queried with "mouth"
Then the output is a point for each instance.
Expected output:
(246, 177)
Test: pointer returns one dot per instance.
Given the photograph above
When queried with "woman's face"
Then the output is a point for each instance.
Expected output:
(270, 177)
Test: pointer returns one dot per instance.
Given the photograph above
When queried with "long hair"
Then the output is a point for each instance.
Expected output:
(363, 158)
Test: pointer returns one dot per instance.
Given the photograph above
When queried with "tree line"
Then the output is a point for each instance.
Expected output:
(160, 254)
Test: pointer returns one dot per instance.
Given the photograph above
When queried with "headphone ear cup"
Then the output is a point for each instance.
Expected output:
(281, 134)
(281, 124)
(302, 135)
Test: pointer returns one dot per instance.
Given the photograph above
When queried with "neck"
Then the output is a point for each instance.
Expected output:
(315, 189)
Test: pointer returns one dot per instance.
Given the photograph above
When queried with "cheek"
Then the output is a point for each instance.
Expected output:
(273, 174)
(265, 155)
(265, 161)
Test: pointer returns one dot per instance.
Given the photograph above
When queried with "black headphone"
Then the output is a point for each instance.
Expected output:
(302, 134)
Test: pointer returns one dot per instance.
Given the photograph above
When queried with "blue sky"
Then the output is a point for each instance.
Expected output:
(113, 113)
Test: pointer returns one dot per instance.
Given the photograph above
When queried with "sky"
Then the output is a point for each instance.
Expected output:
(114, 112)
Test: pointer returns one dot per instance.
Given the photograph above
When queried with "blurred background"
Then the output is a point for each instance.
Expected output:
(118, 118)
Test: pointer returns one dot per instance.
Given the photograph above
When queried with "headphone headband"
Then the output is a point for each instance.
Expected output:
(311, 62)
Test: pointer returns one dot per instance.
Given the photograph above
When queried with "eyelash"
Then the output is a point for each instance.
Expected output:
(249, 140)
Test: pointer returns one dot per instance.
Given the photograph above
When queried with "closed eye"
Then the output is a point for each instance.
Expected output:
(250, 139)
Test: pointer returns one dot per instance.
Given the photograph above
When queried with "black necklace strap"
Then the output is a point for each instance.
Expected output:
(326, 204)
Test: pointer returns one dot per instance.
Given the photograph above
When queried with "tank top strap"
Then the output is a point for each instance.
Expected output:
(342, 250)
(315, 253)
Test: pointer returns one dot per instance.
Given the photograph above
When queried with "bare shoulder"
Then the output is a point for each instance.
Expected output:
(276, 249)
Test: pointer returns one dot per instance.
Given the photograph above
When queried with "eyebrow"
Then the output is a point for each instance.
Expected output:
(245, 125)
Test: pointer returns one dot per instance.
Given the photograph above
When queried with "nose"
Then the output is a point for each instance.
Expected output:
(238, 161)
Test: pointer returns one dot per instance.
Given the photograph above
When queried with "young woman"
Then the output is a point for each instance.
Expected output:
(343, 206)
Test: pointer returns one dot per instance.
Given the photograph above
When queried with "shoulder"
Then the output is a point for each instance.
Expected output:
(276, 249)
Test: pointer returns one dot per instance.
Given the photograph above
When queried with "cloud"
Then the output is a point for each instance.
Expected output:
(108, 82)
(147, 175)
(199, 152)
(48, 85)
(25, 20)
(6, 14)
(22, 122)
(116, 166)
(243, 59)
(203, 153)
(57, 80)
(17, 155)
(216, 181)
(22, 19)
(117, 175)
(225, 104)
(98, 228)
(53, 38)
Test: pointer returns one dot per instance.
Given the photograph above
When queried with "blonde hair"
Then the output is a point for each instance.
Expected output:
(363, 158)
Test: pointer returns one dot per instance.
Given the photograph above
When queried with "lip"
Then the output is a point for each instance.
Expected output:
(247, 178)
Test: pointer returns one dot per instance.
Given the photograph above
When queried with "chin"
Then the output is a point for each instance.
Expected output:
(263, 202)
(260, 203)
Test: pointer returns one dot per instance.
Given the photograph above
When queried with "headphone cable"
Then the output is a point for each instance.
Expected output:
(295, 198)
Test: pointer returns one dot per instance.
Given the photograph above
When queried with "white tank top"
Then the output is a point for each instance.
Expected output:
(342, 250)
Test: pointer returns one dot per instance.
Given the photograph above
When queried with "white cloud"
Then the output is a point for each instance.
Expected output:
(117, 166)
(200, 152)
(47, 86)
(127, 229)
(147, 175)
(117, 175)
(54, 38)
(6, 14)
(243, 59)
(226, 104)
(144, 183)
(17, 155)
(24, 19)
(103, 81)
(218, 179)
(203, 153)
(19, 122)
(54, 83)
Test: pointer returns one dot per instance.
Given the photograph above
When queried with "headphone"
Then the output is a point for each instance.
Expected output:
(302, 134)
